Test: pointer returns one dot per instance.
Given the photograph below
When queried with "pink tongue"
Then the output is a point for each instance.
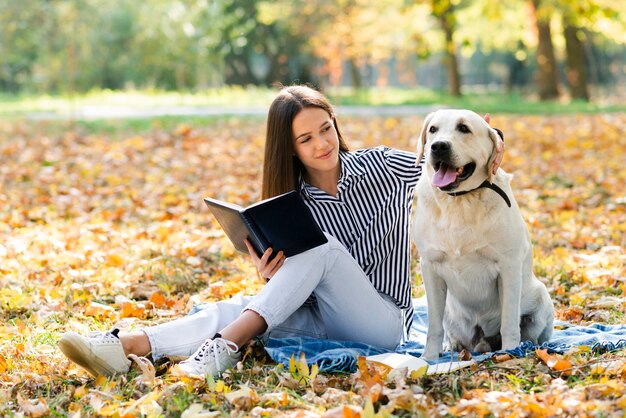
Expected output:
(444, 176)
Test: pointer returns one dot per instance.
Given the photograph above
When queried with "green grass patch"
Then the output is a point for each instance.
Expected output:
(485, 101)
(233, 97)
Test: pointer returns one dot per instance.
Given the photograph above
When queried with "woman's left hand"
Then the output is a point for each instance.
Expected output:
(266, 267)
(499, 149)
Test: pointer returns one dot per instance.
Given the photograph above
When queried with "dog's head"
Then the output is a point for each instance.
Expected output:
(459, 147)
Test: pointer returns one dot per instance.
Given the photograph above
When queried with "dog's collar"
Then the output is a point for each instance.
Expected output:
(488, 185)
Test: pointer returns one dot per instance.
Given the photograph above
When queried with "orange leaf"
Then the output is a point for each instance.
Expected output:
(130, 309)
(99, 310)
(349, 412)
(158, 300)
(554, 362)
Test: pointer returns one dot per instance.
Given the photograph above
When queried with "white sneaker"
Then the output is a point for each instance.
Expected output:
(100, 353)
(213, 357)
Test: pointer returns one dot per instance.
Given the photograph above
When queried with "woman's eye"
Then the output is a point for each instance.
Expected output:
(325, 129)
(432, 129)
(463, 128)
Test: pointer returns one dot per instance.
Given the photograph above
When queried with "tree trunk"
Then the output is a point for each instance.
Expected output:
(444, 11)
(355, 74)
(547, 78)
(576, 73)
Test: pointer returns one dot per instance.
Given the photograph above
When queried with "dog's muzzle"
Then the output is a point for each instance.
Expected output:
(448, 177)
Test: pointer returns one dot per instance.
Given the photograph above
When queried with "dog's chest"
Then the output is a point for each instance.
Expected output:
(462, 254)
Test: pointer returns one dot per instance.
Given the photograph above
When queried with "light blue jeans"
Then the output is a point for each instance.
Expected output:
(346, 307)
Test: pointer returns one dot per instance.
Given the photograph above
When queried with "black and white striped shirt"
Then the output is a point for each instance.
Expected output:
(371, 217)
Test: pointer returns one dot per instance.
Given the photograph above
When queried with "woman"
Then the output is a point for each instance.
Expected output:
(356, 287)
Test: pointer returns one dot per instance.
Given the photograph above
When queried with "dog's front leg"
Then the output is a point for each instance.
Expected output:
(436, 290)
(510, 292)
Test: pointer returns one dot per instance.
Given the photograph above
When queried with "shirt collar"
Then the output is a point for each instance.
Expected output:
(350, 167)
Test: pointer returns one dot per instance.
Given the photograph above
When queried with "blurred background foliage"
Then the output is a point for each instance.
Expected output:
(548, 49)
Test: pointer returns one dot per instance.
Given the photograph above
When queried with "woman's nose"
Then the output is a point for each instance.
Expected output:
(320, 141)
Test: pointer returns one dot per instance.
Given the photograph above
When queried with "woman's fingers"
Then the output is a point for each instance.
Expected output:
(499, 156)
(272, 266)
(253, 256)
(266, 267)
(276, 264)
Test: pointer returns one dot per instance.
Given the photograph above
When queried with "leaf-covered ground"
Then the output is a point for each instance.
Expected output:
(103, 229)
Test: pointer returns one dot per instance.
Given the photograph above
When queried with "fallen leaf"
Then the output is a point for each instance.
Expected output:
(33, 407)
(554, 362)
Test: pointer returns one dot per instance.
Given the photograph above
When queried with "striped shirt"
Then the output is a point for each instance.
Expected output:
(371, 215)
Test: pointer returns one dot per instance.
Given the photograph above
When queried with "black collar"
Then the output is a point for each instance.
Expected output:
(488, 185)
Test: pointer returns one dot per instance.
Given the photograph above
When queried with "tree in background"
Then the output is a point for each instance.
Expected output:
(20, 38)
(579, 17)
(444, 12)
(576, 73)
(547, 77)
(68, 45)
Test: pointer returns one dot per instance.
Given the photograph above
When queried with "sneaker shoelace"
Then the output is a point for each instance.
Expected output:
(211, 350)
(104, 337)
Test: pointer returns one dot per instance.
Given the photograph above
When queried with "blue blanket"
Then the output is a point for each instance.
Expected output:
(341, 356)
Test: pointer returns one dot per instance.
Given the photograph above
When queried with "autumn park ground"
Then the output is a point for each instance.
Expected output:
(103, 224)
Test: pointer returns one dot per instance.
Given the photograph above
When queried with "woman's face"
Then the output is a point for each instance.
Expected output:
(316, 143)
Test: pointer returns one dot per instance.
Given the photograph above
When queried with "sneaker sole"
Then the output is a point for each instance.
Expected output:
(74, 348)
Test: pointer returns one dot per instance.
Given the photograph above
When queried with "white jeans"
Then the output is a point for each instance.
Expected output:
(347, 306)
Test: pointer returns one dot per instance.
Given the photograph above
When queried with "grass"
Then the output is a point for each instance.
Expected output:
(259, 98)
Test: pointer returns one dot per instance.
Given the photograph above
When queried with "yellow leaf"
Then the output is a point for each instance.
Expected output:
(80, 392)
(303, 368)
(314, 371)
(115, 260)
(417, 373)
(4, 366)
(292, 365)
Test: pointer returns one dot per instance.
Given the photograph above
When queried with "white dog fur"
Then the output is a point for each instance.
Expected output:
(475, 250)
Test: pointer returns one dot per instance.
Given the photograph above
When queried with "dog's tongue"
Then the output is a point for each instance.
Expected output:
(444, 176)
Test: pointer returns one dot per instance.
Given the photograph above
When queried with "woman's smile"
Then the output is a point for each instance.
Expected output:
(326, 155)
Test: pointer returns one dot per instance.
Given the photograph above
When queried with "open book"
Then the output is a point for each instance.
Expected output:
(416, 367)
(282, 222)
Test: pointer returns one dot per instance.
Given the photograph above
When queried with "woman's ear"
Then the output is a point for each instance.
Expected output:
(421, 145)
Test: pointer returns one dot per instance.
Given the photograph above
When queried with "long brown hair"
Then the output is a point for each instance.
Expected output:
(281, 167)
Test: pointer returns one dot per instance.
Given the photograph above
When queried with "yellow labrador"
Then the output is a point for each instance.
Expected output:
(475, 250)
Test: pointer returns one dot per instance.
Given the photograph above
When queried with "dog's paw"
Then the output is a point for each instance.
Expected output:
(453, 346)
(510, 343)
(482, 347)
(430, 355)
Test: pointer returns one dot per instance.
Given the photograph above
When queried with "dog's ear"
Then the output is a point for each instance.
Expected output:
(421, 145)
(493, 134)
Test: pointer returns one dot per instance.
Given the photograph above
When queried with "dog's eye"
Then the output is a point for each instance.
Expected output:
(432, 129)
(461, 127)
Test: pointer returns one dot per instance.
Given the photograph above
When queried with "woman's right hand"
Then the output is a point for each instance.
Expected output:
(266, 268)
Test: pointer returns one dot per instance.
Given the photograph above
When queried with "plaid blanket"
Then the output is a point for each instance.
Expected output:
(341, 356)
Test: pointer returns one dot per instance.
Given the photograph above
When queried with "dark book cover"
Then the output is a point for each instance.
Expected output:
(283, 223)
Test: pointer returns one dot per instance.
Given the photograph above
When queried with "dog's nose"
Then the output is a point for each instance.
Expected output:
(440, 148)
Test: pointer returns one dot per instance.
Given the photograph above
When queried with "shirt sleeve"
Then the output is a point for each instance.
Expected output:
(402, 164)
